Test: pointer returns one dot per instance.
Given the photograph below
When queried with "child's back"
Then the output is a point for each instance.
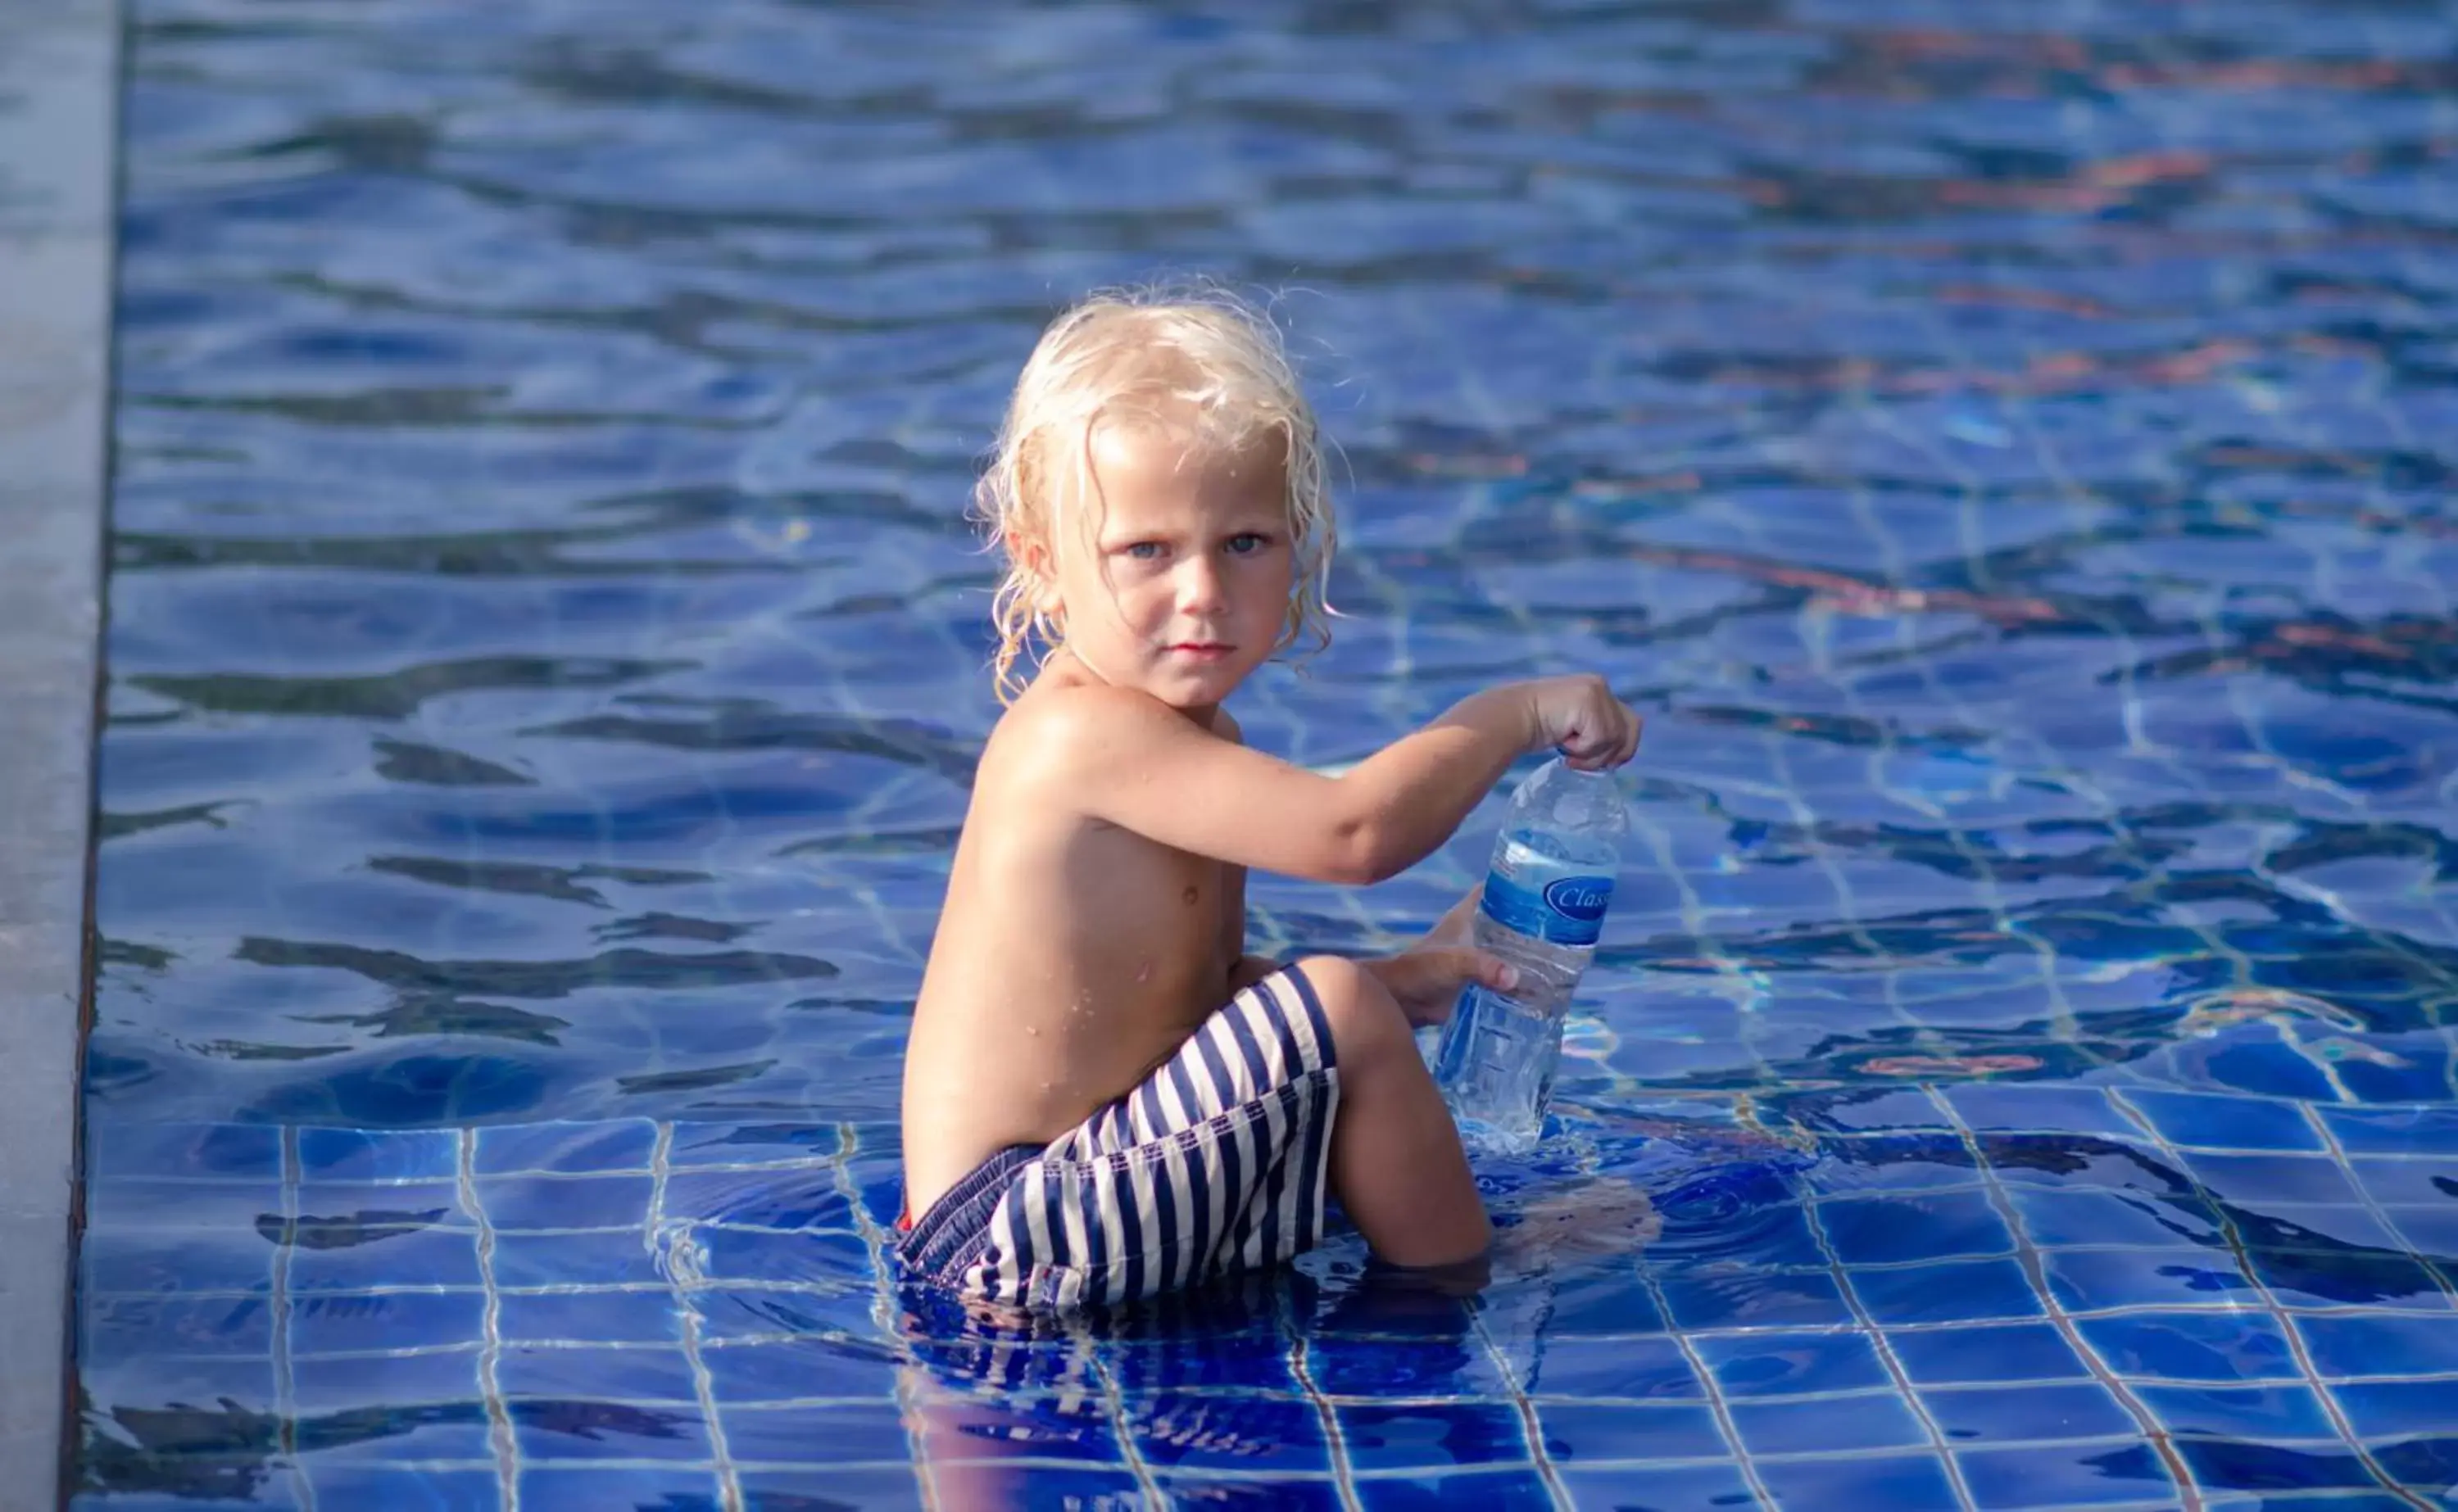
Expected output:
(1103, 1097)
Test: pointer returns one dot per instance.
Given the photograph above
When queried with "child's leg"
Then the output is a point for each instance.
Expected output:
(1396, 1159)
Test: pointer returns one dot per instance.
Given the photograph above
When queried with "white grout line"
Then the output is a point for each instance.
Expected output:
(499, 1419)
(285, 1386)
(2294, 1340)
(677, 1254)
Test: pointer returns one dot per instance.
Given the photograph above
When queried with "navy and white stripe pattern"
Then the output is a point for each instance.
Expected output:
(1216, 1162)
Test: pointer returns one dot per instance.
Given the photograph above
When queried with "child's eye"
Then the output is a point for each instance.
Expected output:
(1146, 550)
(1247, 543)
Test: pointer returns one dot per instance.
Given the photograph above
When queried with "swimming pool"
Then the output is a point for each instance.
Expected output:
(2006, 449)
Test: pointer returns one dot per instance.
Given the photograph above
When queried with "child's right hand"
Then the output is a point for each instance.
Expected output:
(1579, 716)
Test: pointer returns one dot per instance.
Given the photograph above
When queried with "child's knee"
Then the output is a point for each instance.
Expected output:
(1366, 1024)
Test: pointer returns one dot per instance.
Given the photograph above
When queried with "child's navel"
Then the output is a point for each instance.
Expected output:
(1191, 893)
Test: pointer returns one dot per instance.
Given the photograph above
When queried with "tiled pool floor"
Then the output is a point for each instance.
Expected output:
(1987, 1296)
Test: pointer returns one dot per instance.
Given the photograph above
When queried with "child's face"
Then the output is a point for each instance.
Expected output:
(1174, 570)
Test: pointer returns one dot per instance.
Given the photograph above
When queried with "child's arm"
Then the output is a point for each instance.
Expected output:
(1128, 758)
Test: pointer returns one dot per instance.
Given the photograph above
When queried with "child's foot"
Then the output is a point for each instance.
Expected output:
(1603, 1215)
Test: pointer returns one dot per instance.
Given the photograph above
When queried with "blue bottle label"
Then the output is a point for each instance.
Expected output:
(1567, 911)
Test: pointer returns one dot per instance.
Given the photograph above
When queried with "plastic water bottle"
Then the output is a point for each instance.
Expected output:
(1544, 906)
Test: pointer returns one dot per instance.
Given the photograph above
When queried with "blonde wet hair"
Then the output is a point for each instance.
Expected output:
(1194, 359)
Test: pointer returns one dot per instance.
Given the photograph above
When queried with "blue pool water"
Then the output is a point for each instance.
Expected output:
(2006, 449)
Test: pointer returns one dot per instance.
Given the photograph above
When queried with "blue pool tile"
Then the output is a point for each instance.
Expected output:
(1916, 1482)
(154, 1383)
(164, 1261)
(1893, 1163)
(1498, 1490)
(1228, 1431)
(379, 1154)
(563, 1488)
(434, 1203)
(344, 1322)
(812, 1367)
(2027, 1352)
(1715, 1299)
(1641, 1369)
(1198, 1492)
(611, 1145)
(2258, 1412)
(117, 1149)
(1877, 1110)
(2053, 1219)
(2027, 1413)
(833, 1434)
(1781, 1364)
(361, 1382)
(575, 1259)
(1667, 1488)
(2427, 1230)
(397, 1488)
(1257, 1364)
(1658, 1430)
(1827, 1424)
(2317, 1278)
(594, 1317)
(2255, 1180)
(2288, 1226)
(1601, 1300)
(265, 1485)
(792, 1200)
(756, 1255)
(2414, 1131)
(2040, 1108)
(812, 1307)
(2216, 1345)
(133, 1203)
(116, 1329)
(1967, 1291)
(1867, 1231)
(2398, 1409)
(424, 1431)
(2086, 1280)
(2082, 1163)
(565, 1202)
(2431, 1462)
(2379, 1344)
(390, 1256)
(1463, 1369)
(2067, 1474)
(548, 1428)
(2239, 1464)
(1778, 1236)
(2396, 1182)
(1068, 1426)
(698, 1145)
(2204, 1121)
(894, 1488)
(1409, 1436)
(633, 1375)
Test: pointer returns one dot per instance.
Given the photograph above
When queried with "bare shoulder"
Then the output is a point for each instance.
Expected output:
(1069, 735)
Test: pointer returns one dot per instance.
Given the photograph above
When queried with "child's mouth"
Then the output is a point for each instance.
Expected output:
(1202, 650)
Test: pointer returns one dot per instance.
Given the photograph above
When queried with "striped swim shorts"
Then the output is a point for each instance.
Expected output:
(1216, 1162)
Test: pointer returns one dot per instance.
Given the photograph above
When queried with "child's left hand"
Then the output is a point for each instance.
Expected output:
(1428, 975)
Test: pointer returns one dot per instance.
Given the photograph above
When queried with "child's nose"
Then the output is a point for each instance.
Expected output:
(1201, 586)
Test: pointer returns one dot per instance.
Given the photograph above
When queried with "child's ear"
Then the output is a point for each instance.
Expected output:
(1033, 556)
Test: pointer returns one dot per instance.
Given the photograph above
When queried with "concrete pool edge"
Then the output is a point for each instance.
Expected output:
(59, 90)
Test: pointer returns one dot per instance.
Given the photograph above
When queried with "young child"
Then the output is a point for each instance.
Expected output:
(1105, 1097)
